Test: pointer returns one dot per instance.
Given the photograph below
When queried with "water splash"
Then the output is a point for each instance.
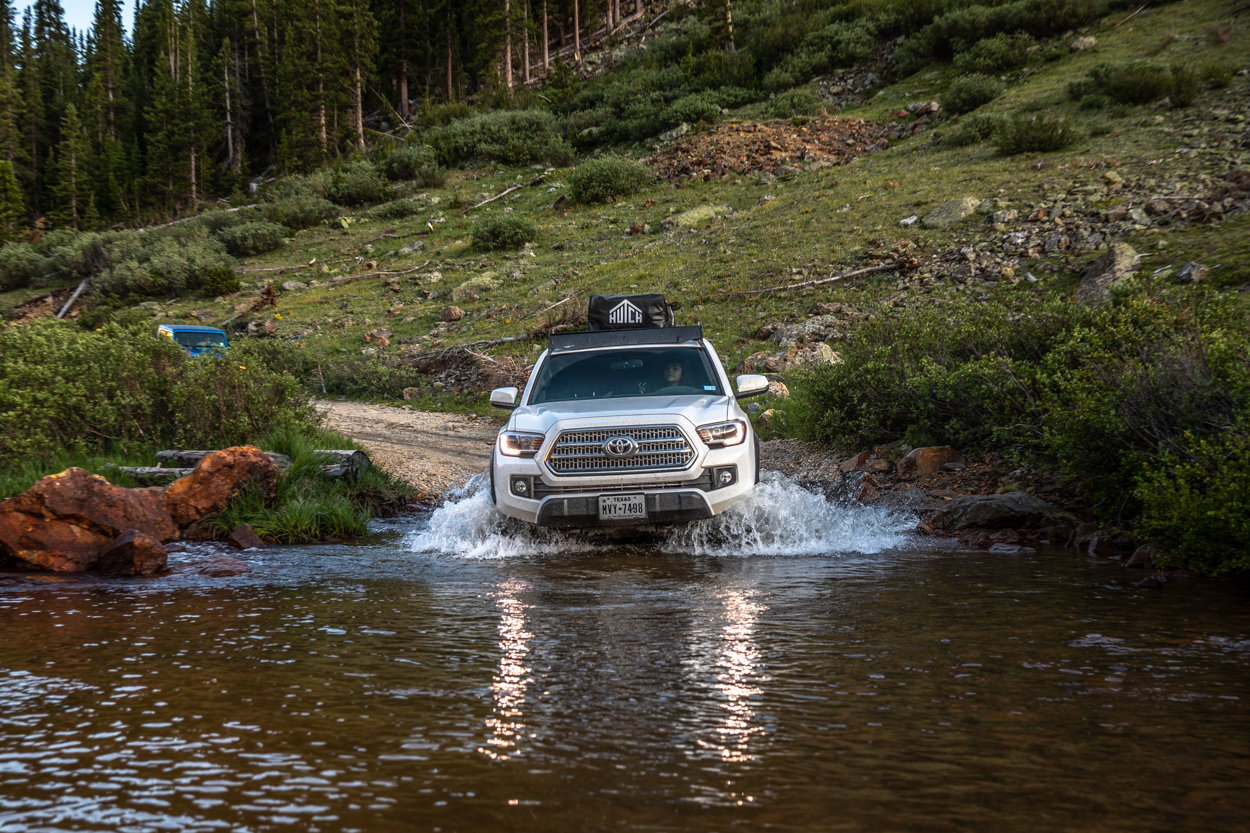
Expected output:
(468, 525)
(780, 517)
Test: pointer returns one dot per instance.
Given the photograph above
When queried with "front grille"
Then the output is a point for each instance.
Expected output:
(660, 448)
(541, 490)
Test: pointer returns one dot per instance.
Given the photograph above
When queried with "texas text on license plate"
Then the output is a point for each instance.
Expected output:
(622, 507)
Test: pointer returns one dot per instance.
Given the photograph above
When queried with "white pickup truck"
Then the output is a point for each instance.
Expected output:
(632, 428)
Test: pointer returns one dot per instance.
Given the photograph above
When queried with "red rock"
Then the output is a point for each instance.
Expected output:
(867, 491)
(64, 521)
(925, 462)
(219, 566)
(244, 538)
(217, 479)
(852, 463)
(450, 314)
(132, 554)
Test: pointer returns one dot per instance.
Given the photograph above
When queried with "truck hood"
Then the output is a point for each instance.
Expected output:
(694, 409)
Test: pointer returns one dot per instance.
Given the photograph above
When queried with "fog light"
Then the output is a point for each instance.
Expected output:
(726, 477)
(521, 486)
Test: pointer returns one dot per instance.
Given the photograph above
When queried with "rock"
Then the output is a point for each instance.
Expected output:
(473, 287)
(1010, 549)
(450, 314)
(908, 222)
(754, 407)
(1058, 534)
(411, 394)
(771, 416)
(244, 538)
(66, 520)
(815, 355)
(1002, 218)
(1144, 557)
(676, 133)
(1192, 272)
(412, 248)
(779, 390)
(955, 466)
(1139, 216)
(925, 462)
(950, 212)
(816, 328)
(922, 108)
(878, 465)
(1150, 583)
(1006, 536)
(1108, 271)
(205, 529)
(294, 286)
(1114, 181)
(1081, 44)
(132, 554)
(219, 566)
(1013, 509)
(851, 464)
(866, 492)
(696, 216)
(216, 480)
(1156, 207)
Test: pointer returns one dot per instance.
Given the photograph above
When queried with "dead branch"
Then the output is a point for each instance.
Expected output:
(884, 267)
(73, 298)
(340, 281)
(1130, 17)
(553, 306)
(505, 192)
(195, 216)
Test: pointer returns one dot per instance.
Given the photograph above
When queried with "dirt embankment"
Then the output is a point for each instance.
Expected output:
(433, 452)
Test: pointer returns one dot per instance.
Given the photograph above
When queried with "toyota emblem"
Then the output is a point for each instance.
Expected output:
(620, 448)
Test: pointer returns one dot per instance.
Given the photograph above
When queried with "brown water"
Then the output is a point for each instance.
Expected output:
(884, 686)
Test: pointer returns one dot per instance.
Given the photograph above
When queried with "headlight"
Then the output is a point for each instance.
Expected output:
(518, 444)
(723, 433)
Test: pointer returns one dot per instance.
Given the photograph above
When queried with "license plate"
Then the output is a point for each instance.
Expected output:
(622, 507)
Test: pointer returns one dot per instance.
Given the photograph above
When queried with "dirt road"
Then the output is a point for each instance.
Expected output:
(434, 452)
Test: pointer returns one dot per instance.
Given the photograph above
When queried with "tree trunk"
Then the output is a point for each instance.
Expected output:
(403, 62)
(507, 44)
(264, 83)
(546, 43)
(451, 93)
(577, 34)
(360, 110)
(321, 86)
(525, 47)
(729, 24)
(225, 68)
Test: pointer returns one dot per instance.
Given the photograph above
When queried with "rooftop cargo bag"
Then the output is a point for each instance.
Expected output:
(629, 312)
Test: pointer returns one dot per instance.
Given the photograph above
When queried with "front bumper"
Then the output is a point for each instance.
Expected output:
(671, 497)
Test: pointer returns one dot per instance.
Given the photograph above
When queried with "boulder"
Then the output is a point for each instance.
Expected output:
(216, 480)
(66, 520)
(244, 538)
(132, 554)
(1013, 509)
(1192, 272)
(817, 328)
(1106, 272)
(808, 356)
(951, 212)
(411, 394)
(450, 314)
(1081, 44)
(924, 462)
(779, 390)
(293, 286)
(850, 464)
(695, 217)
(1144, 557)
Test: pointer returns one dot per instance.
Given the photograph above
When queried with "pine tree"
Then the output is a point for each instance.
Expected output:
(11, 145)
(106, 106)
(360, 40)
(71, 172)
(56, 68)
(12, 210)
(313, 84)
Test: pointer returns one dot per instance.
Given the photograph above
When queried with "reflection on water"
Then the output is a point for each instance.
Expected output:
(374, 688)
(505, 724)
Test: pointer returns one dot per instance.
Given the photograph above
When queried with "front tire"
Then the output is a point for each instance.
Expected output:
(493, 500)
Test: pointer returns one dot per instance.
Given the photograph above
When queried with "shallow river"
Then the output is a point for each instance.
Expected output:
(803, 667)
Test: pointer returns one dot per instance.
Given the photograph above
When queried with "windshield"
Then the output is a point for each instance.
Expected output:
(194, 339)
(613, 374)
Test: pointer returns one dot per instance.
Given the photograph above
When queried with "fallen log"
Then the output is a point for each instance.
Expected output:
(73, 298)
(189, 459)
(539, 181)
(884, 267)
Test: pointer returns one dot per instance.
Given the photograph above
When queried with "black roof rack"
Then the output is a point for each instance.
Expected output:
(564, 342)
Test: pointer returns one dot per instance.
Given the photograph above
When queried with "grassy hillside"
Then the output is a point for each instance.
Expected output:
(1165, 176)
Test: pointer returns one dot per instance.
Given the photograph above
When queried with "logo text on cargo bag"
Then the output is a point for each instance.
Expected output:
(625, 313)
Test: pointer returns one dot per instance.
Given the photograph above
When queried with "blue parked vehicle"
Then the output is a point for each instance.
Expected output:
(195, 339)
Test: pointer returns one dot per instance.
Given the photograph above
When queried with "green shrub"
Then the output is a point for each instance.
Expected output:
(1135, 83)
(504, 231)
(1185, 86)
(1035, 134)
(357, 183)
(605, 177)
(800, 102)
(130, 390)
(415, 162)
(997, 54)
(364, 376)
(839, 44)
(442, 114)
(970, 92)
(1216, 76)
(254, 238)
(217, 221)
(976, 128)
(1082, 88)
(316, 183)
(1196, 505)
(162, 262)
(300, 211)
(398, 210)
(19, 265)
(514, 137)
(219, 280)
(699, 107)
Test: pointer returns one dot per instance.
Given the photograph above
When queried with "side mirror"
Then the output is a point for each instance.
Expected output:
(506, 398)
(751, 384)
